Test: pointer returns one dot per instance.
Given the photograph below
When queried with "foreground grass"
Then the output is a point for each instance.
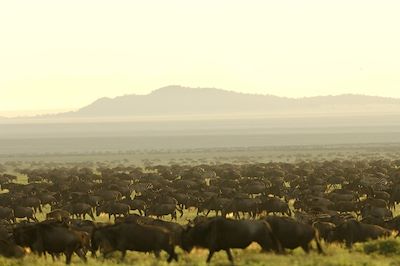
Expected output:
(335, 256)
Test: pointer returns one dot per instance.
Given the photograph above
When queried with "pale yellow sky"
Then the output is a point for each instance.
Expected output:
(66, 54)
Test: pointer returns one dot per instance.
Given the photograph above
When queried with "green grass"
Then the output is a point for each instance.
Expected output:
(336, 256)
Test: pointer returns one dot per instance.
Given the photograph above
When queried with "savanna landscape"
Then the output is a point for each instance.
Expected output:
(200, 133)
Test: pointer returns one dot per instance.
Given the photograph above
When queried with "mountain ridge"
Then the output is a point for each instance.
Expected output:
(177, 100)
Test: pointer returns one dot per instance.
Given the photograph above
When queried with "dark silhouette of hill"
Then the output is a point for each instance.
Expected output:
(177, 100)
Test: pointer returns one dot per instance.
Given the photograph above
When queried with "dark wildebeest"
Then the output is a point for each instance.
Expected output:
(80, 210)
(219, 233)
(9, 249)
(25, 212)
(292, 234)
(135, 204)
(133, 236)
(160, 210)
(216, 204)
(275, 205)
(175, 228)
(353, 231)
(377, 212)
(6, 214)
(58, 215)
(49, 237)
(324, 229)
(32, 202)
(243, 205)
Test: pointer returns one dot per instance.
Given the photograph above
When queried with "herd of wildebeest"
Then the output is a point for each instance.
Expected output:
(278, 205)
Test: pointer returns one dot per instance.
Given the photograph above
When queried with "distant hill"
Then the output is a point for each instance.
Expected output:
(177, 100)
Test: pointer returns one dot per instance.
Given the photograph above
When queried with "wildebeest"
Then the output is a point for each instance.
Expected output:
(6, 214)
(160, 210)
(275, 205)
(219, 233)
(80, 210)
(24, 212)
(113, 209)
(9, 249)
(58, 215)
(175, 228)
(353, 231)
(133, 236)
(292, 234)
(135, 204)
(377, 212)
(52, 238)
(324, 229)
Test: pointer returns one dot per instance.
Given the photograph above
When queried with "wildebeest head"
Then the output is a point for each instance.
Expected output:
(10, 250)
(25, 235)
(187, 238)
(102, 238)
(341, 231)
(195, 234)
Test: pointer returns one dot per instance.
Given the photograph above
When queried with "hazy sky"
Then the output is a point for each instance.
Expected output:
(66, 54)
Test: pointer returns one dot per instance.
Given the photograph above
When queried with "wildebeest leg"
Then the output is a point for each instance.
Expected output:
(123, 255)
(105, 256)
(210, 254)
(94, 254)
(170, 258)
(171, 252)
(319, 247)
(175, 256)
(91, 215)
(81, 255)
(157, 254)
(306, 248)
(229, 253)
(68, 255)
